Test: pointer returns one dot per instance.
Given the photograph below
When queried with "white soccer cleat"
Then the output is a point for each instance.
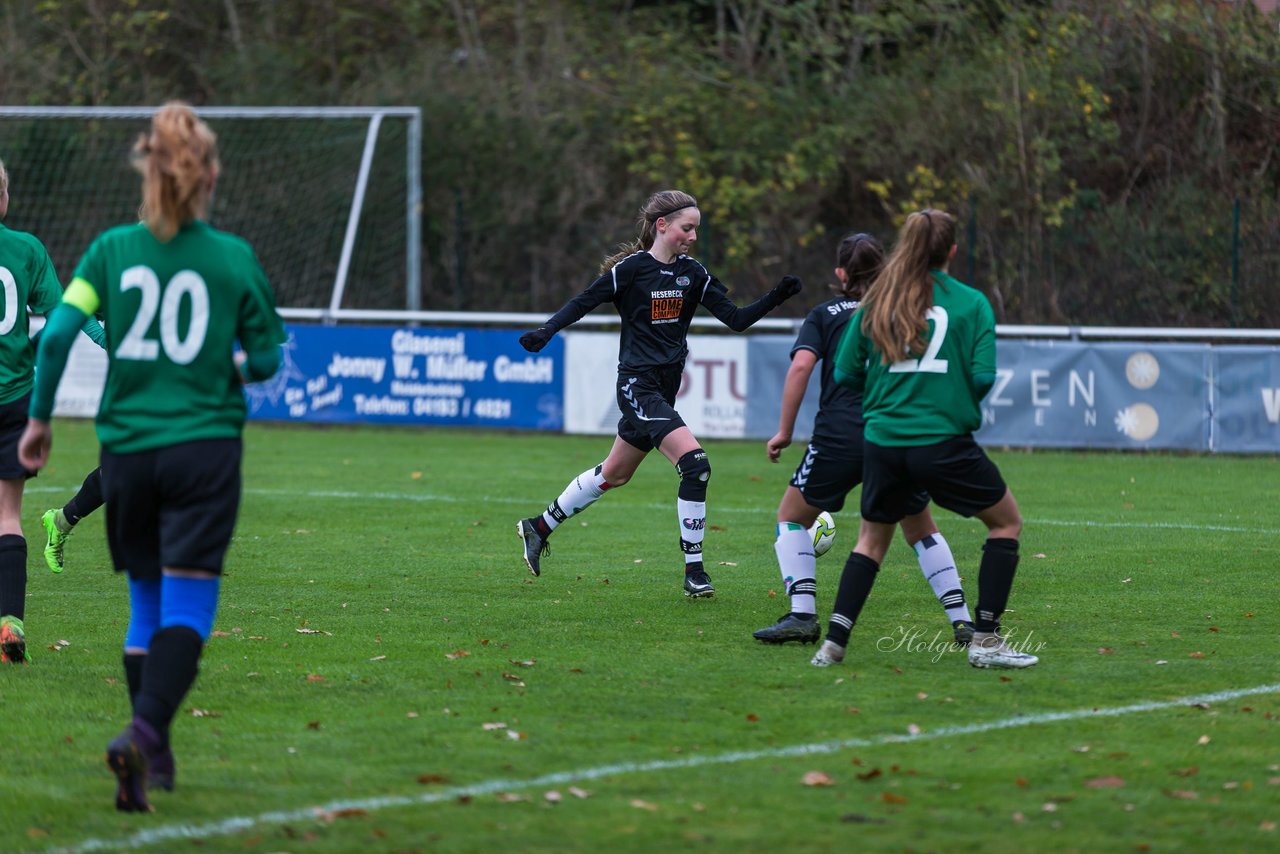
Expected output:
(827, 655)
(992, 651)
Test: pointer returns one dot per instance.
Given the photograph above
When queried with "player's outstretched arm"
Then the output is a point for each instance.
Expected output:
(738, 319)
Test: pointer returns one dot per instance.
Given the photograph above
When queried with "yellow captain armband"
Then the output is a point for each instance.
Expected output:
(82, 295)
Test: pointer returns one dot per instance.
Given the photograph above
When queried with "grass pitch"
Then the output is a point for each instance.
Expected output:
(386, 675)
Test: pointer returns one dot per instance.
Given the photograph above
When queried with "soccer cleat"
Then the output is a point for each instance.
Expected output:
(828, 654)
(697, 584)
(128, 755)
(535, 545)
(962, 631)
(56, 540)
(990, 650)
(791, 627)
(13, 641)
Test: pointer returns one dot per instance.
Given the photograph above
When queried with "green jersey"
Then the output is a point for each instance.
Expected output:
(26, 279)
(925, 400)
(173, 313)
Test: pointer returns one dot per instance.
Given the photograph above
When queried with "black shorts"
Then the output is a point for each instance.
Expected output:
(827, 475)
(647, 401)
(956, 473)
(172, 507)
(13, 420)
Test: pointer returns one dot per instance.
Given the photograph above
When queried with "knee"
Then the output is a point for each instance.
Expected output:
(614, 478)
(695, 471)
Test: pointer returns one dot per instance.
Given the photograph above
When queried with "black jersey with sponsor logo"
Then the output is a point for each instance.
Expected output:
(839, 408)
(656, 303)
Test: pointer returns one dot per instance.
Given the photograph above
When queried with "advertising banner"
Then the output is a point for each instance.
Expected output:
(1246, 393)
(1071, 394)
(397, 375)
(712, 398)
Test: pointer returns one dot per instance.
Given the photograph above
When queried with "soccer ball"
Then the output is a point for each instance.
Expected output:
(823, 532)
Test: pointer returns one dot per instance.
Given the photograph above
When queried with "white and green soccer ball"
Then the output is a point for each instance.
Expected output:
(823, 532)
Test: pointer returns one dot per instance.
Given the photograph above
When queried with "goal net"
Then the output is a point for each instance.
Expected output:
(329, 198)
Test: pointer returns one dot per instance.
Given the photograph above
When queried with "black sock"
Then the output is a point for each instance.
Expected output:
(855, 586)
(995, 580)
(540, 525)
(88, 499)
(133, 663)
(13, 576)
(167, 675)
(696, 566)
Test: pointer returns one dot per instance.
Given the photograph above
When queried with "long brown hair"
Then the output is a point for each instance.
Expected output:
(661, 204)
(893, 311)
(860, 255)
(178, 159)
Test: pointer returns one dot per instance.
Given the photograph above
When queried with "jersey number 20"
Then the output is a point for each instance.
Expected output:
(180, 350)
(929, 363)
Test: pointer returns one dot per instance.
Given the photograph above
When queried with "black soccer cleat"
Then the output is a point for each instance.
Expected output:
(535, 545)
(962, 630)
(128, 755)
(697, 584)
(803, 628)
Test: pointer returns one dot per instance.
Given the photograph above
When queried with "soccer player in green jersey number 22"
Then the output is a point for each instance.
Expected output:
(922, 349)
(832, 464)
(27, 279)
(176, 296)
(656, 288)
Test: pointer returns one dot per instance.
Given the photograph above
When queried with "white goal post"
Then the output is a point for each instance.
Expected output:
(329, 197)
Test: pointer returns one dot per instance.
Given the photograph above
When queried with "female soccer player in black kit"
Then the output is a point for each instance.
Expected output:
(657, 288)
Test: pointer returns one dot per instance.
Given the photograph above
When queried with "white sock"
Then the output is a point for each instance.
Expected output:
(939, 568)
(797, 564)
(693, 524)
(583, 491)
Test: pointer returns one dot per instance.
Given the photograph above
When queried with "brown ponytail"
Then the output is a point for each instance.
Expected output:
(178, 160)
(893, 311)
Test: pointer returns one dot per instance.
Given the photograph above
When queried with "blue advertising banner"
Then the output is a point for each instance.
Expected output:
(1246, 411)
(1072, 394)
(1051, 394)
(399, 375)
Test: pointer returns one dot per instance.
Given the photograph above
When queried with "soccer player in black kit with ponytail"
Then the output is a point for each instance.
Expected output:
(657, 289)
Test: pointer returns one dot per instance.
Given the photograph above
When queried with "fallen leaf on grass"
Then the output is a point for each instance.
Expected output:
(456, 654)
(644, 805)
(511, 797)
(753, 718)
(205, 713)
(1105, 783)
(378, 658)
(892, 798)
(913, 729)
(494, 725)
(36, 833)
(1204, 739)
(517, 736)
(314, 677)
(817, 778)
(870, 775)
(1267, 826)
(313, 632)
(1106, 650)
(1195, 655)
(727, 563)
(1186, 772)
(527, 663)
(579, 793)
(1182, 794)
(432, 778)
(313, 725)
(552, 796)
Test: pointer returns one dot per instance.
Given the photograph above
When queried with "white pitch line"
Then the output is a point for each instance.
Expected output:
(429, 497)
(500, 499)
(234, 825)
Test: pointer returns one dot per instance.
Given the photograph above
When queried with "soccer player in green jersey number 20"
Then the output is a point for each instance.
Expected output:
(176, 296)
(922, 349)
(27, 279)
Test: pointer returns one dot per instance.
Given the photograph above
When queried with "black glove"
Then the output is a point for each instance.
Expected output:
(535, 340)
(786, 288)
